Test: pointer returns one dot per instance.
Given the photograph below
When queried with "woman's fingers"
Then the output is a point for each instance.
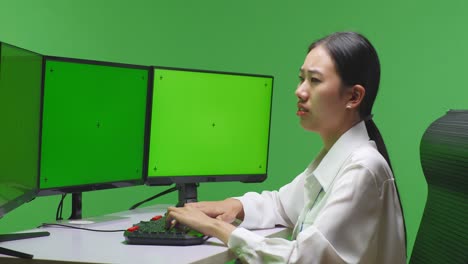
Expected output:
(183, 215)
(171, 221)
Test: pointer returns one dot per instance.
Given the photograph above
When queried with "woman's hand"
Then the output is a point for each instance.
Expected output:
(228, 210)
(196, 219)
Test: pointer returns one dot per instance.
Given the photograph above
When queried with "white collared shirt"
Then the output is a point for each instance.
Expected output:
(344, 208)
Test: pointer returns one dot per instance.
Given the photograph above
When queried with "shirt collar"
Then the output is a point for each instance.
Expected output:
(331, 163)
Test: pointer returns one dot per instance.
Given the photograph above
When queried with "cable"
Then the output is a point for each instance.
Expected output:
(58, 215)
(154, 197)
(81, 228)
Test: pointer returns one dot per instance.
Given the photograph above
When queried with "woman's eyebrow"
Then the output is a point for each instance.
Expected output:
(311, 71)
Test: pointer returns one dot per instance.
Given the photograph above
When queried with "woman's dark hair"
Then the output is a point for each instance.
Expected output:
(356, 62)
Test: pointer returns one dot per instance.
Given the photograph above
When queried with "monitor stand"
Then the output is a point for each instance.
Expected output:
(77, 206)
(187, 193)
(10, 237)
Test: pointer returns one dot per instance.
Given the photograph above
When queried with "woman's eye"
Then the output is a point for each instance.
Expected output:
(314, 80)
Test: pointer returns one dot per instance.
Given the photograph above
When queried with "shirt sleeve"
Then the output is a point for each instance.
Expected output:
(341, 233)
(271, 208)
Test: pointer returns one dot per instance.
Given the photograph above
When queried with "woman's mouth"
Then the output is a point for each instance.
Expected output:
(301, 111)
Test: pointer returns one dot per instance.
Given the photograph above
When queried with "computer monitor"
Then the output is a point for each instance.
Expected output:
(20, 104)
(93, 126)
(207, 126)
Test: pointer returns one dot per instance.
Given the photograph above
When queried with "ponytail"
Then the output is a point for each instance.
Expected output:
(374, 134)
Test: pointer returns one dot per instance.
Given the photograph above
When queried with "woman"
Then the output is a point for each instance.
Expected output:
(344, 207)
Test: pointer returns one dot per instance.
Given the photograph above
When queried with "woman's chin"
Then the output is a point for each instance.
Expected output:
(307, 126)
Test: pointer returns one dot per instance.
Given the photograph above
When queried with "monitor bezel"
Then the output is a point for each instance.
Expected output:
(101, 185)
(184, 179)
(30, 194)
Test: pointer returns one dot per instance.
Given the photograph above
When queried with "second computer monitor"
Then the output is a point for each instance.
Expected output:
(93, 127)
(208, 126)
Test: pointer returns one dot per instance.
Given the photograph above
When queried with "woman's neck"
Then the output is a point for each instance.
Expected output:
(330, 137)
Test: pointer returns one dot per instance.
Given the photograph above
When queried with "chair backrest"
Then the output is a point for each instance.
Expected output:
(443, 233)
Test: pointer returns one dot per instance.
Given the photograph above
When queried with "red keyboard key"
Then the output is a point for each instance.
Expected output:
(133, 228)
(156, 218)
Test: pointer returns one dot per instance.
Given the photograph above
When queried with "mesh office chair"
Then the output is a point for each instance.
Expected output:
(443, 233)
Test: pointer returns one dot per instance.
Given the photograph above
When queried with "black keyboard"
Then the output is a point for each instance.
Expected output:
(154, 232)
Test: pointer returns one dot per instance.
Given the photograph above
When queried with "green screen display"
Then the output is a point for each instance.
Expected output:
(93, 124)
(209, 123)
(20, 102)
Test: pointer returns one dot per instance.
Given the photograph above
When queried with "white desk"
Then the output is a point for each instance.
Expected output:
(65, 244)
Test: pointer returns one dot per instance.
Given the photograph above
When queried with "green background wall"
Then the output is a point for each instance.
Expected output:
(422, 46)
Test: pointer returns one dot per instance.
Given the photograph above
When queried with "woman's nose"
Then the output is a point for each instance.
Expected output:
(301, 93)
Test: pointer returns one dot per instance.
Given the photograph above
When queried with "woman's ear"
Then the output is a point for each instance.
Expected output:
(355, 96)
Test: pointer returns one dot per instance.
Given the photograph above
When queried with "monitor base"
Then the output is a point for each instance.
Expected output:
(13, 253)
(10, 237)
